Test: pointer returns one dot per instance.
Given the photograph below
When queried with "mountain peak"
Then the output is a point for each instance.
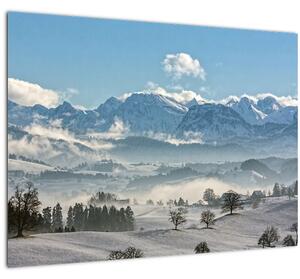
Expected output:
(191, 103)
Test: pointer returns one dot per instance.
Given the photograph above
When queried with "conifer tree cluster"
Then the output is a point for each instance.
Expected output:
(99, 218)
(102, 198)
(24, 215)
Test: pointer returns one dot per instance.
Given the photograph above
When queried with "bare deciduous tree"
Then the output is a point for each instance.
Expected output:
(177, 216)
(25, 202)
(269, 236)
(208, 218)
(209, 196)
(231, 202)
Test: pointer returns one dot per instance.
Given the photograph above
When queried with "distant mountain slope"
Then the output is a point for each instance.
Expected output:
(259, 167)
(263, 109)
(214, 122)
(142, 149)
(151, 112)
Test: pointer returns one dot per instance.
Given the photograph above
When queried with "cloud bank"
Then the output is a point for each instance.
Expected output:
(29, 94)
(284, 101)
(191, 190)
(181, 96)
(182, 64)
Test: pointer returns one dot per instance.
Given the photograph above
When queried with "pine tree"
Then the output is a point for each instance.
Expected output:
(123, 220)
(39, 221)
(100, 215)
(276, 190)
(181, 202)
(78, 216)
(90, 223)
(47, 218)
(70, 218)
(105, 218)
(112, 218)
(130, 218)
(85, 218)
(57, 219)
(11, 217)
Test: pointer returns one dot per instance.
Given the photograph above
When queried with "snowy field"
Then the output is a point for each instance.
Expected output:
(157, 238)
(28, 167)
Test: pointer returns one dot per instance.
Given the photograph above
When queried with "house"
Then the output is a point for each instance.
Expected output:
(258, 194)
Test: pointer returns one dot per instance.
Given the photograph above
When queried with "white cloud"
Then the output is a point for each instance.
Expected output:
(54, 131)
(117, 130)
(282, 100)
(80, 107)
(191, 189)
(28, 94)
(188, 137)
(35, 147)
(181, 96)
(124, 96)
(73, 91)
(68, 93)
(182, 64)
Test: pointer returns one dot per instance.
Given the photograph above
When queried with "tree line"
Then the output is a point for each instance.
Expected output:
(24, 215)
(97, 218)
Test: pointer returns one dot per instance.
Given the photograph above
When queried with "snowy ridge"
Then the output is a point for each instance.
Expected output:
(142, 112)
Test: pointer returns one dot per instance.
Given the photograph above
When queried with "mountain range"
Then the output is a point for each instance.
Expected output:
(141, 113)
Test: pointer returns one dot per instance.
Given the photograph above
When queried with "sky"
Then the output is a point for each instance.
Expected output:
(86, 60)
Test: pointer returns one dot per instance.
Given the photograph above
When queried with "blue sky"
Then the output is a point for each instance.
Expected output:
(102, 58)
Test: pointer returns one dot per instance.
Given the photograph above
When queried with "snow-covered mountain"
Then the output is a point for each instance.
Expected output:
(246, 108)
(151, 112)
(142, 113)
(264, 108)
(283, 115)
(139, 112)
(214, 122)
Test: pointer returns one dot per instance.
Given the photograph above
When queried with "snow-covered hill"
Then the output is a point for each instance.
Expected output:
(27, 167)
(236, 232)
